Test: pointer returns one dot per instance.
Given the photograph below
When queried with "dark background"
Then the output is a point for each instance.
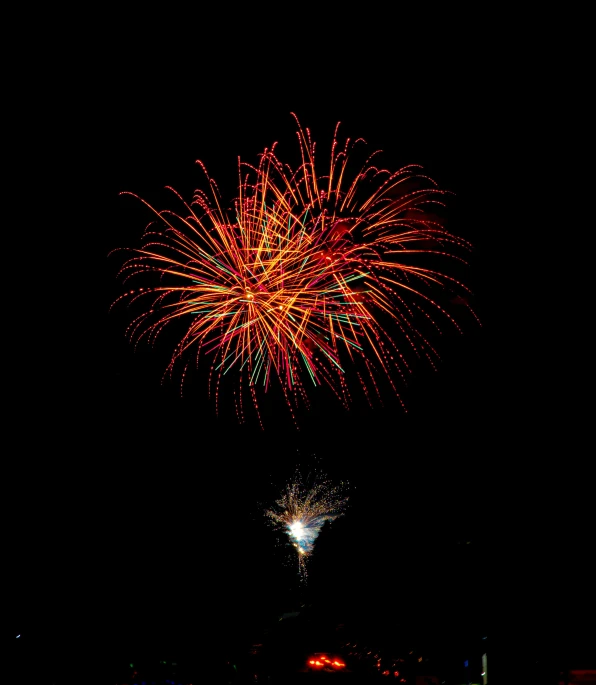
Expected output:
(135, 518)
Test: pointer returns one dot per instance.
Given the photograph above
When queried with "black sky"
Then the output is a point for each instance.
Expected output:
(136, 508)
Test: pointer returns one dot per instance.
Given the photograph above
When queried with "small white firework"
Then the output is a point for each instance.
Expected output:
(302, 510)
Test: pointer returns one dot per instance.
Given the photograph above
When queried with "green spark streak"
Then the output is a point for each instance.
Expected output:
(349, 342)
(333, 360)
(302, 265)
(308, 368)
(236, 328)
(248, 357)
(223, 361)
(219, 264)
(291, 374)
(267, 372)
(260, 358)
(356, 276)
(257, 369)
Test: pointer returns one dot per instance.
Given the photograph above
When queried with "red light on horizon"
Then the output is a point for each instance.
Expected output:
(325, 662)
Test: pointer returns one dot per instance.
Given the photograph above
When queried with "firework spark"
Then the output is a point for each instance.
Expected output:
(308, 280)
(302, 510)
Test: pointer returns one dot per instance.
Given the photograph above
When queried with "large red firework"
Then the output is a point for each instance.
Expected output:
(304, 278)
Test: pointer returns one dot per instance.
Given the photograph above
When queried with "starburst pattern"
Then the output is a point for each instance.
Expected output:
(308, 280)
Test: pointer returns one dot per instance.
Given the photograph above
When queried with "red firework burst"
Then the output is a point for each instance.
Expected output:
(304, 280)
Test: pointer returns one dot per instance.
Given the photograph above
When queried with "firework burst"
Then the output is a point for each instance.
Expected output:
(308, 280)
(303, 509)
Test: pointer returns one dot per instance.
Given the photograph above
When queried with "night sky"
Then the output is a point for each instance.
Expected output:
(136, 516)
